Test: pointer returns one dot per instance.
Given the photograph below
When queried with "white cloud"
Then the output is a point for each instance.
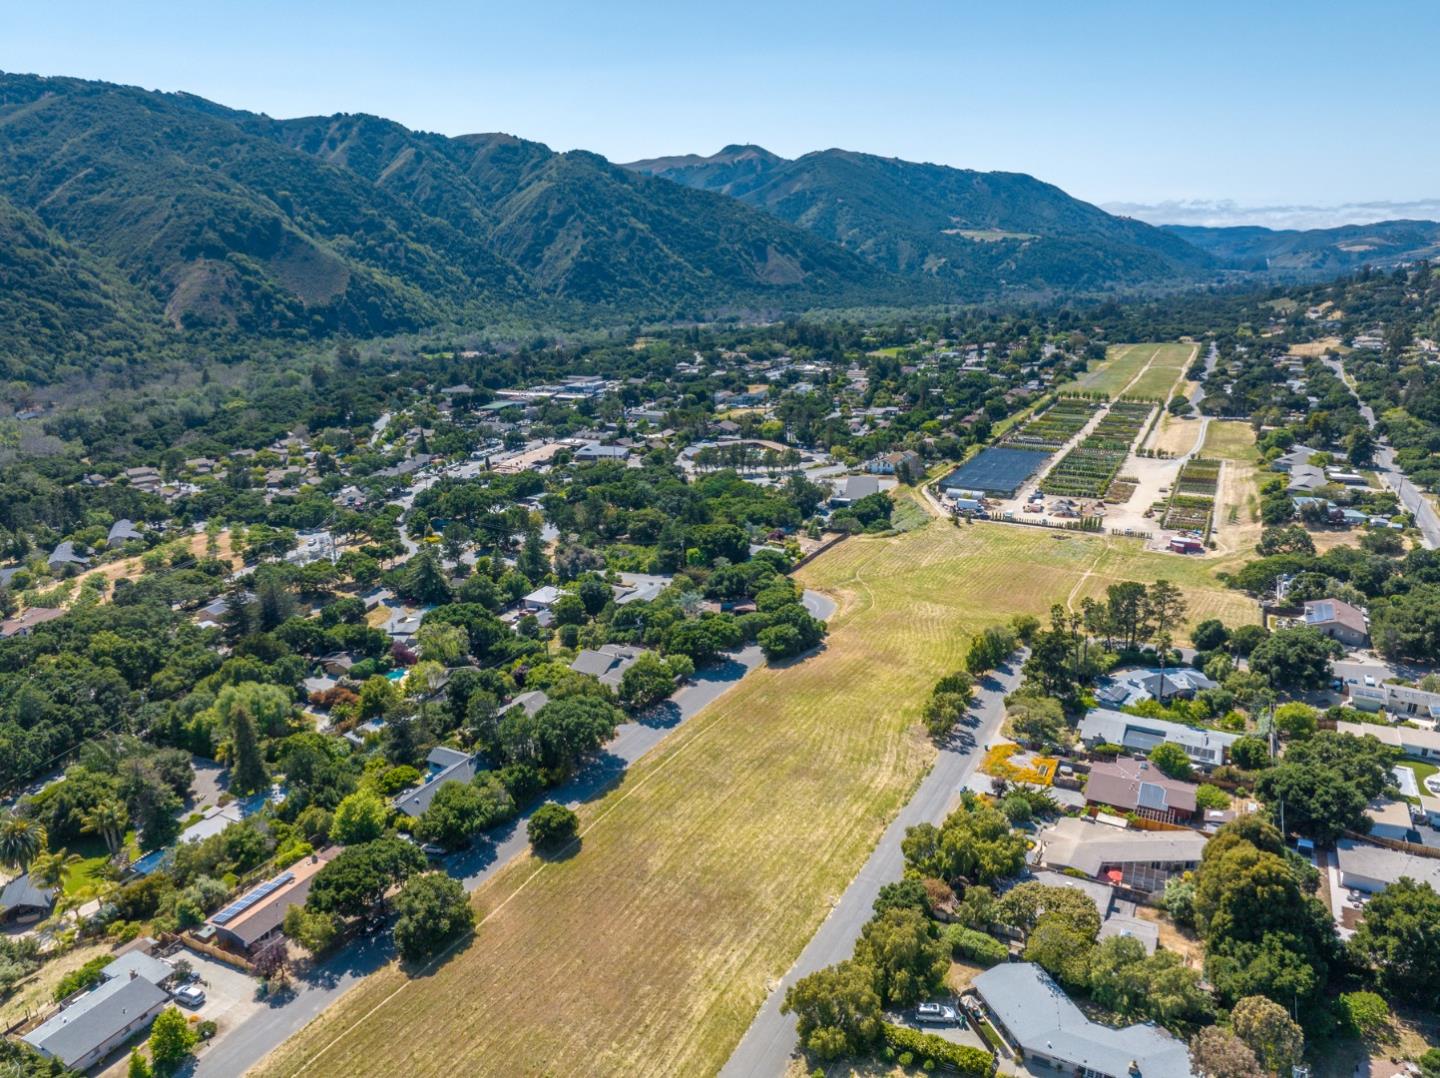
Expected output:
(1225, 212)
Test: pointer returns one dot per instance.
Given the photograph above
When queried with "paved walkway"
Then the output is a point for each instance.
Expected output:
(240, 1048)
(768, 1045)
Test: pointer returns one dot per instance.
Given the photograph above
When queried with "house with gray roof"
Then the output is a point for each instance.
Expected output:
(23, 900)
(121, 532)
(1139, 861)
(65, 554)
(448, 766)
(100, 1021)
(850, 489)
(1206, 748)
(529, 702)
(1041, 1023)
(1134, 686)
(606, 664)
(1371, 869)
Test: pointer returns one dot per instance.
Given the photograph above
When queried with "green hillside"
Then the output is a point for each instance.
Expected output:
(975, 232)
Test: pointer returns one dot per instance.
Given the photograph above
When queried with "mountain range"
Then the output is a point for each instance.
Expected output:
(132, 219)
(1314, 251)
(977, 233)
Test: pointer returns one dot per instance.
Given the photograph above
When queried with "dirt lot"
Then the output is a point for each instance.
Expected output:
(132, 568)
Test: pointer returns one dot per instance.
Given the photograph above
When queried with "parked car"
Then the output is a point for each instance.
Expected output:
(191, 995)
(1369, 682)
(433, 851)
(935, 1014)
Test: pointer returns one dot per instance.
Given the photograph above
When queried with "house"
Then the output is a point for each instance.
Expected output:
(402, 625)
(99, 1021)
(542, 598)
(1401, 701)
(26, 622)
(640, 588)
(64, 555)
(852, 488)
(121, 532)
(22, 901)
(606, 664)
(1114, 918)
(452, 766)
(139, 962)
(1410, 740)
(1138, 786)
(905, 464)
(1371, 869)
(256, 916)
(1338, 620)
(530, 702)
(1298, 455)
(1136, 860)
(1391, 819)
(1126, 687)
(338, 664)
(1306, 478)
(594, 451)
(1039, 1021)
(1206, 748)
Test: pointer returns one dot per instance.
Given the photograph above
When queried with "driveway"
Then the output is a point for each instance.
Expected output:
(767, 1047)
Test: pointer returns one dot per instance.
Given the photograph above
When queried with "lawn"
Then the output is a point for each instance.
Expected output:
(703, 874)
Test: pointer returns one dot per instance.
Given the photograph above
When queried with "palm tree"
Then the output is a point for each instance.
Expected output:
(48, 869)
(21, 838)
(108, 819)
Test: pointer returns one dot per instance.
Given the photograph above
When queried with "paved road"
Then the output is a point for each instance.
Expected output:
(1211, 357)
(249, 1042)
(766, 1048)
(1410, 497)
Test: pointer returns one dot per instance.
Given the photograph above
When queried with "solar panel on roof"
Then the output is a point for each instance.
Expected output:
(245, 901)
(1151, 796)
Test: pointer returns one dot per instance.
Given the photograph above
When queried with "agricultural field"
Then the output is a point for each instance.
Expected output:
(703, 874)
(1237, 505)
(1088, 470)
(1192, 498)
(1051, 429)
(1162, 374)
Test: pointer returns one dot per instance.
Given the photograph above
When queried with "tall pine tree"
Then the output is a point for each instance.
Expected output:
(247, 766)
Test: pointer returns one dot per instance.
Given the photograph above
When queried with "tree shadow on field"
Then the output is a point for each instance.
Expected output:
(559, 854)
(418, 969)
(796, 660)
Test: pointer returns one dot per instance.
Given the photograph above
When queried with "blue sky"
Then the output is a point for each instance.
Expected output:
(1277, 105)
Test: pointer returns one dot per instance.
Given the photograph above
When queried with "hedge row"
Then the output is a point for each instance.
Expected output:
(977, 947)
(972, 1062)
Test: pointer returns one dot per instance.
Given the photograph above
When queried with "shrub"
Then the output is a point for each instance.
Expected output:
(971, 1062)
(552, 826)
(978, 947)
(84, 977)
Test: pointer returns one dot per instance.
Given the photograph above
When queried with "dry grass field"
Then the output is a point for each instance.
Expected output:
(703, 874)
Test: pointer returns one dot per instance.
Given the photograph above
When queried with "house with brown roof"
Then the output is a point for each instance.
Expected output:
(1139, 787)
(256, 916)
(1339, 621)
(22, 625)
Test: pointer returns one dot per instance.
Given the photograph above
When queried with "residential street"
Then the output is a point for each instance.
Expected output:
(1410, 497)
(765, 1050)
(242, 1047)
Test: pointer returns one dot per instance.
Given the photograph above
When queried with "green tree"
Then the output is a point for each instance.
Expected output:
(442, 642)
(646, 682)
(1296, 720)
(1266, 1028)
(1315, 801)
(359, 818)
(356, 881)
(460, 811)
(837, 1010)
(552, 826)
(108, 819)
(1366, 1013)
(909, 961)
(433, 909)
(975, 842)
(1399, 940)
(138, 1067)
(1294, 659)
(247, 772)
(1218, 1053)
(21, 838)
(311, 929)
(1171, 759)
(988, 649)
(171, 1040)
